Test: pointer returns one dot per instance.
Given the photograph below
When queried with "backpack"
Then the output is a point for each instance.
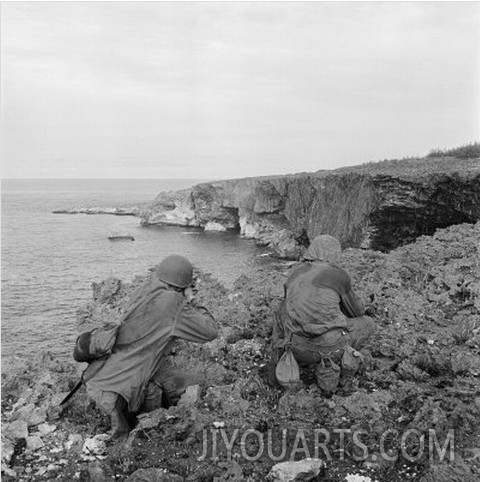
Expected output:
(95, 344)
(90, 346)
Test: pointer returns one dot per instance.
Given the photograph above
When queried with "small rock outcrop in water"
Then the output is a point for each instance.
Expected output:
(119, 211)
(380, 205)
(120, 237)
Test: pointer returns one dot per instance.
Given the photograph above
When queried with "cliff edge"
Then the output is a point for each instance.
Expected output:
(378, 205)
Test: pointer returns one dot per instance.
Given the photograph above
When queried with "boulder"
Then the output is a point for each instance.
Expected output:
(46, 428)
(285, 246)
(95, 445)
(34, 443)
(303, 470)
(357, 478)
(15, 430)
(32, 415)
(190, 397)
(7, 451)
(228, 399)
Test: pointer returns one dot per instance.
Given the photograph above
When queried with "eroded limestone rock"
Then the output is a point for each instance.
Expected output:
(379, 206)
(302, 470)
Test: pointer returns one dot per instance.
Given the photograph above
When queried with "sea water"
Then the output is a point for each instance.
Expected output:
(49, 261)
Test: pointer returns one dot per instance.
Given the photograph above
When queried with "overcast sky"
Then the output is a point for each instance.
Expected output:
(232, 89)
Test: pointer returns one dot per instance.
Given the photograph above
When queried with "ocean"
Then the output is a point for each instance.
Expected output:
(49, 261)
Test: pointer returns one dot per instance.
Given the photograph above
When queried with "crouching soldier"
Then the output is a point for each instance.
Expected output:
(321, 320)
(136, 376)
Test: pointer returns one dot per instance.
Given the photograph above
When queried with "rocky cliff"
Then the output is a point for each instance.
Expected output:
(412, 413)
(378, 205)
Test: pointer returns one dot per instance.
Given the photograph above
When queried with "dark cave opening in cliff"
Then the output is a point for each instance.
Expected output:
(233, 212)
(402, 226)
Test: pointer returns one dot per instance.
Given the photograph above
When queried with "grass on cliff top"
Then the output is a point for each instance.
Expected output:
(464, 160)
(414, 168)
(468, 151)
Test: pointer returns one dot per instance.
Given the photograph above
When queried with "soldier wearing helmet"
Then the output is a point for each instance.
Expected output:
(321, 319)
(137, 375)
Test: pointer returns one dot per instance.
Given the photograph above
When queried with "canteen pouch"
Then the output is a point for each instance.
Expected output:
(328, 375)
(287, 370)
(351, 361)
(95, 344)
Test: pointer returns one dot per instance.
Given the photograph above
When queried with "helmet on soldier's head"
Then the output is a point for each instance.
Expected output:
(175, 270)
(324, 248)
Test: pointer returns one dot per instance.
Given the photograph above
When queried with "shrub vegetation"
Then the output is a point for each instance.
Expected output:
(468, 151)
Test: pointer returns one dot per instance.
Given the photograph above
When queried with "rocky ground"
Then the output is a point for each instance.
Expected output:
(420, 377)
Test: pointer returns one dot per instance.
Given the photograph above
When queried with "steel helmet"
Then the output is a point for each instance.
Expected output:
(324, 248)
(176, 271)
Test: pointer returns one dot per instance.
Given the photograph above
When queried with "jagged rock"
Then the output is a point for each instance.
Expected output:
(32, 414)
(216, 346)
(95, 445)
(249, 229)
(74, 441)
(34, 443)
(302, 470)
(107, 307)
(15, 430)
(228, 399)
(285, 246)
(171, 208)
(190, 397)
(154, 475)
(152, 419)
(104, 292)
(41, 471)
(46, 428)
(379, 205)
(357, 478)
(249, 404)
(7, 451)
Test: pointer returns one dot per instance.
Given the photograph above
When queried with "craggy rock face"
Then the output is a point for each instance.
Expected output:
(171, 208)
(421, 375)
(379, 206)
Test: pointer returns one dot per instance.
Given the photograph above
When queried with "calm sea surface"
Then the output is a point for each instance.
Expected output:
(49, 261)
